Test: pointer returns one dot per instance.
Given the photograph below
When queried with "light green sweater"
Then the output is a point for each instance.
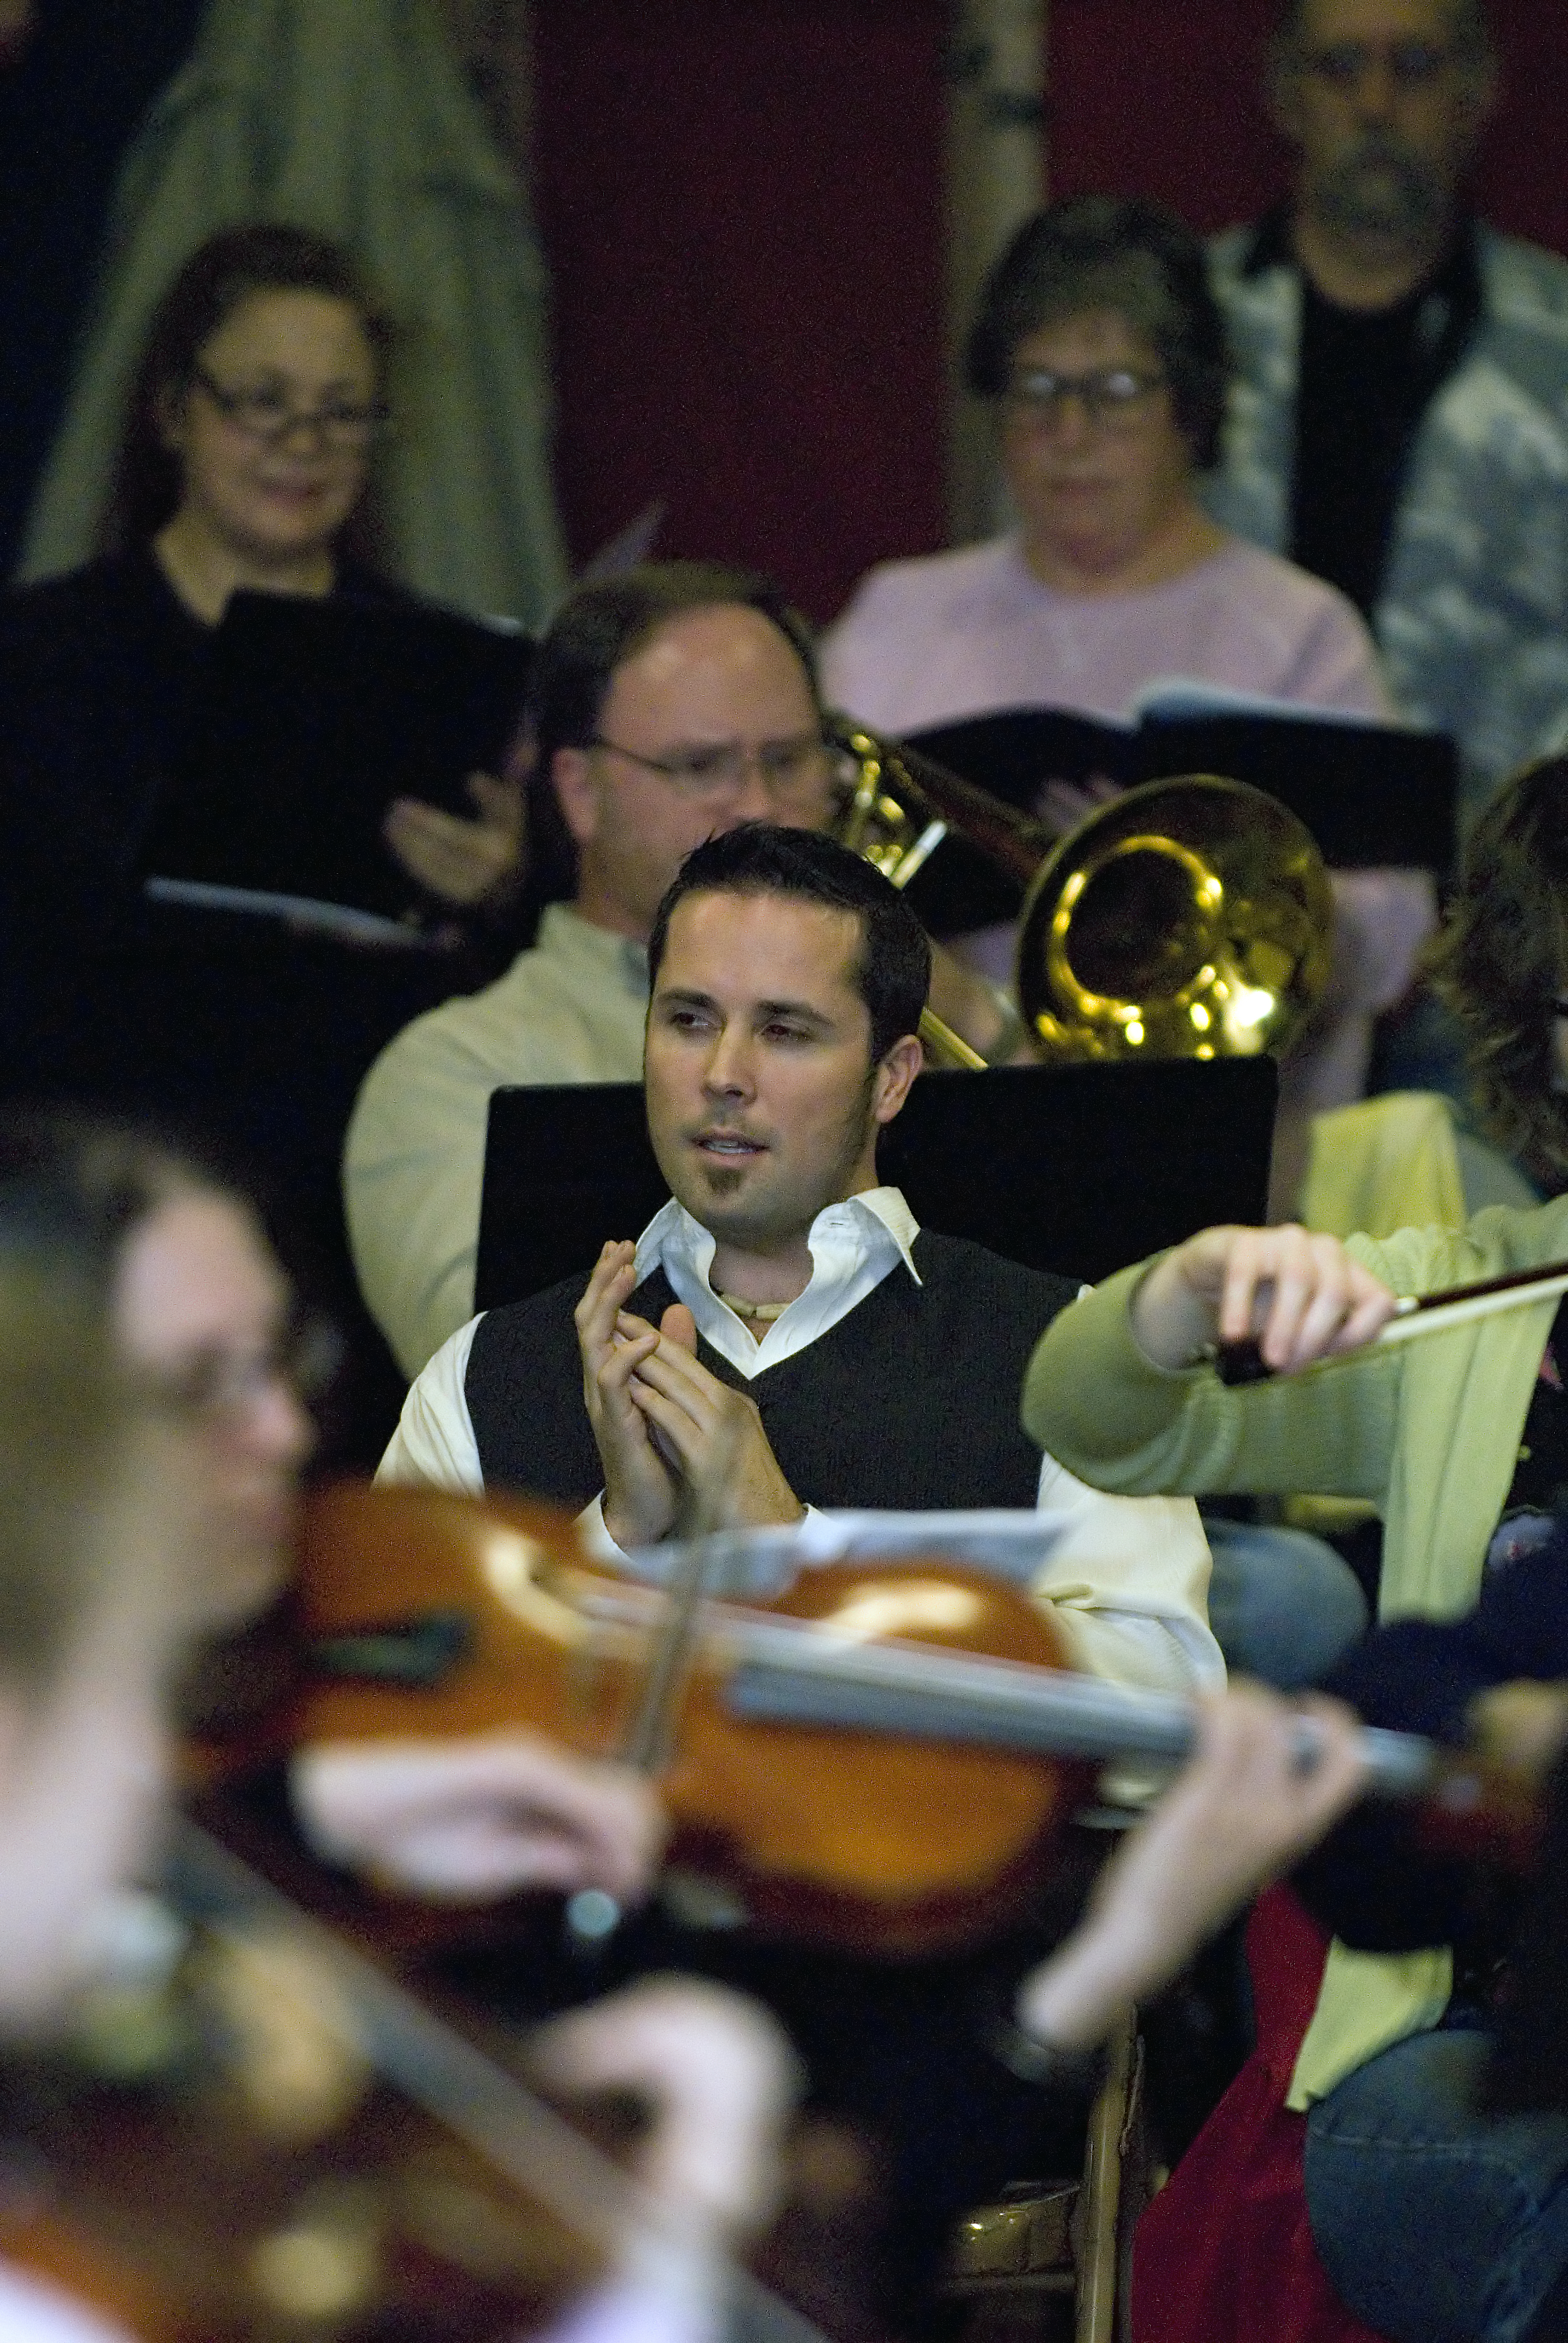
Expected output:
(1428, 1431)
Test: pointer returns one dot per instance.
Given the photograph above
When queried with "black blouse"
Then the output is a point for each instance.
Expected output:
(99, 673)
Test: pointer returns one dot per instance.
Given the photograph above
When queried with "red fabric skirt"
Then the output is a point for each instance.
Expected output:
(1224, 2253)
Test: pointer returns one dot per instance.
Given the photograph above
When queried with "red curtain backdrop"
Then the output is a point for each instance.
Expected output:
(741, 203)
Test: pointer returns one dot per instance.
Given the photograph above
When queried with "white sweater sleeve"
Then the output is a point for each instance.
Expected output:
(434, 1445)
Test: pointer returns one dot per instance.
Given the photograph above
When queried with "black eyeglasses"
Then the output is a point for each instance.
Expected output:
(790, 769)
(1112, 396)
(220, 1387)
(265, 413)
(1344, 65)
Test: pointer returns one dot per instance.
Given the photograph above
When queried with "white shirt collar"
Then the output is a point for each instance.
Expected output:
(854, 1245)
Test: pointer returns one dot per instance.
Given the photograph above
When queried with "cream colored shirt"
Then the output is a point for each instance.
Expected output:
(1126, 1581)
(572, 1009)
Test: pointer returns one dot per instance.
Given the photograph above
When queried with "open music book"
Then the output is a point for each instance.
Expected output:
(311, 718)
(1374, 796)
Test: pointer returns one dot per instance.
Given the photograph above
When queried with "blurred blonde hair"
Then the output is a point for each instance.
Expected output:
(1501, 960)
(68, 1414)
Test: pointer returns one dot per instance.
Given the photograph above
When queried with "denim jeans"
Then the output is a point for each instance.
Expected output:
(1284, 1605)
(1435, 2225)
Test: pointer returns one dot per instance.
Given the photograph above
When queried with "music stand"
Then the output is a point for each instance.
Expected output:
(1079, 1169)
(1372, 795)
(311, 717)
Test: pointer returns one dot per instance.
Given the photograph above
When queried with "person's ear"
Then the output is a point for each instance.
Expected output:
(894, 1078)
(577, 794)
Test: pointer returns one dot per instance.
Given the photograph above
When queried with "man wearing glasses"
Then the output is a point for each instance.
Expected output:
(1399, 426)
(667, 706)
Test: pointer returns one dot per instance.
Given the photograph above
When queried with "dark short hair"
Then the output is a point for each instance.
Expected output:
(605, 622)
(1472, 33)
(1501, 960)
(1117, 253)
(893, 972)
(218, 278)
(85, 1180)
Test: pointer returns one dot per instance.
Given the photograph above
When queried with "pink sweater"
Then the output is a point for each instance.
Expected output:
(969, 633)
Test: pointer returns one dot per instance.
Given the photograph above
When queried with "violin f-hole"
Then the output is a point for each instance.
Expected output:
(414, 1655)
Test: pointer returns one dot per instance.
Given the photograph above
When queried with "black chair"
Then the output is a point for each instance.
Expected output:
(1077, 1169)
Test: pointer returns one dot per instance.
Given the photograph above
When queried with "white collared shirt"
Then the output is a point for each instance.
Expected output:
(853, 1246)
(1127, 1582)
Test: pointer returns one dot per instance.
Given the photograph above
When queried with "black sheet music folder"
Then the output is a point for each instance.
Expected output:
(1372, 795)
(312, 716)
(1079, 1169)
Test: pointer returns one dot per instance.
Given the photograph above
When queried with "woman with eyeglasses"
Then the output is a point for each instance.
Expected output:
(1100, 348)
(246, 465)
(149, 1441)
(1102, 352)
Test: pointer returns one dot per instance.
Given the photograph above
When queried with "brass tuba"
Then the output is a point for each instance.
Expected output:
(1188, 918)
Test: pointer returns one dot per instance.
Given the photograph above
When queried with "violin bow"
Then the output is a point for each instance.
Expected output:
(592, 1915)
(1413, 1314)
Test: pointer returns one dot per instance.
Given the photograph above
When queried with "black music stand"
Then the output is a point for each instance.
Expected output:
(311, 717)
(1079, 1169)
(1371, 794)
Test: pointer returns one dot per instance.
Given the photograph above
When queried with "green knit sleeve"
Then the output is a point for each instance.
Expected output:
(1095, 1403)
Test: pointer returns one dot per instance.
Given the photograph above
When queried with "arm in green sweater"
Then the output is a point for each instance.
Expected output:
(1095, 1401)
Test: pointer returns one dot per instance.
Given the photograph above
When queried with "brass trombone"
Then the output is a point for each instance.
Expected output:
(1188, 918)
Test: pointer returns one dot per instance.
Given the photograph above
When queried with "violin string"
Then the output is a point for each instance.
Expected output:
(649, 1739)
(783, 1668)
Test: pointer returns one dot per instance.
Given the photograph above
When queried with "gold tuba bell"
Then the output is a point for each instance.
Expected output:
(1188, 918)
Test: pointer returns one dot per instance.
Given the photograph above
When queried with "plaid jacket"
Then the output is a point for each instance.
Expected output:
(1472, 616)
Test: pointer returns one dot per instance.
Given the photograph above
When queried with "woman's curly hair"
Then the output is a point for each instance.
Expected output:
(1503, 960)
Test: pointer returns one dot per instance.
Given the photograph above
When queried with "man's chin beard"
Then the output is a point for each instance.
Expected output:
(718, 1209)
(1390, 199)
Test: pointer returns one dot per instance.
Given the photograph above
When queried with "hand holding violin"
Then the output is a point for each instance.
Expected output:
(485, 1816)
(1303, 1297)
(721, 2081)
(678, 1445)
(1268, 1778)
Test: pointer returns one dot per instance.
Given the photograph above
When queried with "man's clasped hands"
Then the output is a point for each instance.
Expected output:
(682, 1452)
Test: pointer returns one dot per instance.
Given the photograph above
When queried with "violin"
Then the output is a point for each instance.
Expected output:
(880, 1757)
(275, 2139)
(429, 1614)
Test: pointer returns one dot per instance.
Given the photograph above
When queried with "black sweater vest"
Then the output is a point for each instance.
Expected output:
(910, 1403)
